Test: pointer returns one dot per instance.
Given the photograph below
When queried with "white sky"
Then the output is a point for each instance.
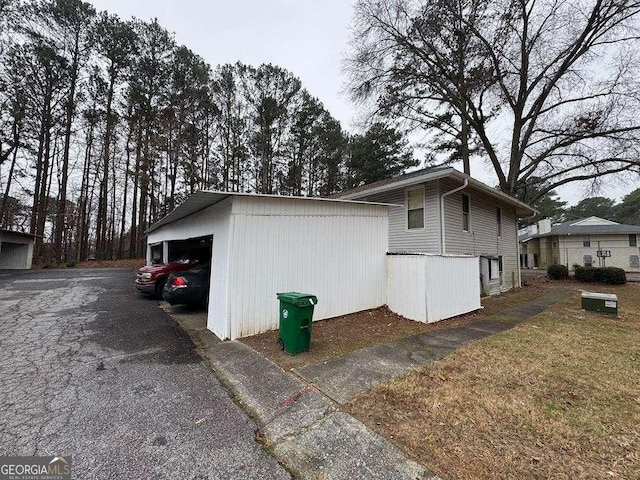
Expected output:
(307, 37)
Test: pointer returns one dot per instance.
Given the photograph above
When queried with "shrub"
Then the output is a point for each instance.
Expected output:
(557, 272)
(612, 275)
(70, 264)
(586, 274)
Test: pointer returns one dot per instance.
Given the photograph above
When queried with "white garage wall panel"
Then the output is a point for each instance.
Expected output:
(429, 288)
(334, 250)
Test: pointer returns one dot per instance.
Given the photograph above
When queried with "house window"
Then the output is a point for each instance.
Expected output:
(633, 240)
(466, 203)
(499, 220)
(415, 208)
(634, 261)
(586, 241)
(554, 244)
(587, 260)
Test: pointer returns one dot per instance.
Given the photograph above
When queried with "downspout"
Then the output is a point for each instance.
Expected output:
(518, 254)
(443, 247)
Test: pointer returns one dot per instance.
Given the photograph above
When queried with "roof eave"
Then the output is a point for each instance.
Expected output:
(399, 184)
(522, 209)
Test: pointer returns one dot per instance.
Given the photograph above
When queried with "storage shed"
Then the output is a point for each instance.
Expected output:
(265, 244)
(16, 250)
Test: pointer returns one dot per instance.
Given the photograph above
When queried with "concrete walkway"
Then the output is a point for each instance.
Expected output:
(298, 416)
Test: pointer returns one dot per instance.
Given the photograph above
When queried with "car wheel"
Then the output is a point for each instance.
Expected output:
(280, 344)
(159, 287)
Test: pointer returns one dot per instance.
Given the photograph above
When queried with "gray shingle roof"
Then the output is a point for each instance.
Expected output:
(568, 228)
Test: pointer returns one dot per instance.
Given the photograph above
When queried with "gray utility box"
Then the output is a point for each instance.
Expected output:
(600, 302)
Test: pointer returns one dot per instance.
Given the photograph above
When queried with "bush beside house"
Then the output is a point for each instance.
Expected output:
(557, 272)
(610, 275)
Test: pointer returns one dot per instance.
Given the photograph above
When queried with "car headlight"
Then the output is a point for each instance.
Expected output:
(146, 276)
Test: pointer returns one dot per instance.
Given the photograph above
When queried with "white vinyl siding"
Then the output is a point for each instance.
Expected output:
(481, 240)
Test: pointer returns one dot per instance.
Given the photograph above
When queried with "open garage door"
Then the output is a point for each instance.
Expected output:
(194, 248)
(14, 256)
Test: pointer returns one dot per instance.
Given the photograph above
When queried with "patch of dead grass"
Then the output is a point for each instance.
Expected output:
(558, 396)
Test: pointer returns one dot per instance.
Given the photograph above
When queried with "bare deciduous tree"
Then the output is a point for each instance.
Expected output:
(548, 89)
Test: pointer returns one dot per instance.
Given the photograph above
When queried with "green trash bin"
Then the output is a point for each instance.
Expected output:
(296, 316)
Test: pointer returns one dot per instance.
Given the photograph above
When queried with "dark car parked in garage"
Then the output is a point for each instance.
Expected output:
(190, 287)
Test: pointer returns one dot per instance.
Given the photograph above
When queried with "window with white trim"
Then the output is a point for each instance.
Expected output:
(499, 221)
(586, 241)
(634, 261)
(415, 208)
(588, 261)
(633, 240)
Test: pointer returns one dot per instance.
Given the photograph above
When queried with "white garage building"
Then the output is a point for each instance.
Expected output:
(16, 250)
(265, 244)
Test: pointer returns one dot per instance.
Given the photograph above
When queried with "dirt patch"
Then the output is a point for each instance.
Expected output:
(340, 335)
(133, 263)
(558, 396)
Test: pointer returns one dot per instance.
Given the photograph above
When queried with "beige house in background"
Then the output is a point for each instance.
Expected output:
(443, 211)
(591, 241)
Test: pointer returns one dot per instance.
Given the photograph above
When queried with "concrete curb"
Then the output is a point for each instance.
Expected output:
(301, 427)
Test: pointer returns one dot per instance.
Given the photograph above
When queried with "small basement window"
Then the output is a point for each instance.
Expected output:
(633, 240)
(634, 261)
(466, 207)
(415, 208)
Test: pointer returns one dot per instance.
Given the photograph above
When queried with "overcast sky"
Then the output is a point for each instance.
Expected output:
(307, 37)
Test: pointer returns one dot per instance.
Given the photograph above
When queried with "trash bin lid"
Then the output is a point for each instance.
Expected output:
(298, 299)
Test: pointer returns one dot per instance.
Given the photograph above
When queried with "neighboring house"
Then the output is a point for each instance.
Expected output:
(16, 250)
(443, 211)
(591, 241)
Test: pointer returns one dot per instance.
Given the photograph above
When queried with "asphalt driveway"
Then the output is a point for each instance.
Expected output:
(89, 368)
